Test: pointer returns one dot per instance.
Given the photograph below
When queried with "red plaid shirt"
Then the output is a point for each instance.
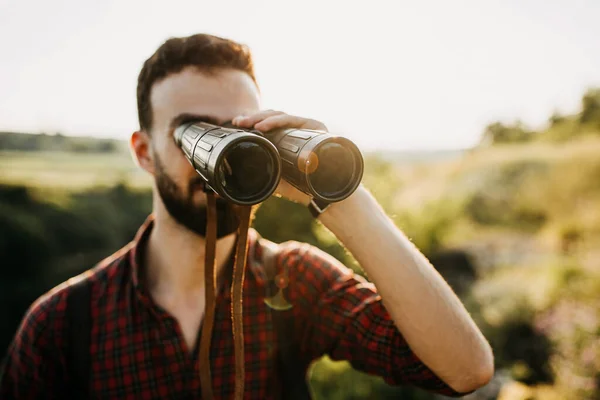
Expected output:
(138, 351)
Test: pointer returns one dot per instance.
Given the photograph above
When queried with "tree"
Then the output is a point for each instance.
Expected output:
(556, 118)
(590, 107)
(497, 132)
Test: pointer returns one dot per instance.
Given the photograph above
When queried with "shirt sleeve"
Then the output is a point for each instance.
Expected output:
(343, 316)
(32, 367)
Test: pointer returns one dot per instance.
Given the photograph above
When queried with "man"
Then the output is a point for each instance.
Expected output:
(147, 301)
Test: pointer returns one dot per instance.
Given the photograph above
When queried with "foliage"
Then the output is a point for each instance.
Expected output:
(42, 244)
(560, 127)
(590, 108)
(497, 133)
(15, 141)
(337, 380)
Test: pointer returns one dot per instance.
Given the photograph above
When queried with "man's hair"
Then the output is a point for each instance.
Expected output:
(206, 52)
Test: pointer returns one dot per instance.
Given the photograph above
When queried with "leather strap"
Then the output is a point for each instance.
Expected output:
(316, 207)
(236, 299)
(209, 303)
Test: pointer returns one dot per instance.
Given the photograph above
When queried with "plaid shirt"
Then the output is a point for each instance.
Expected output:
(138, 351)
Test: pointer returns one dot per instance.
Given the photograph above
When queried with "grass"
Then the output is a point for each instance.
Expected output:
(426, 182)
(73, 171)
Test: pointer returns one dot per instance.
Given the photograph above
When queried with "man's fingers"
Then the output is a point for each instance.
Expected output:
(278, 121)
(270, 119)
(251, 120)
(288, 121)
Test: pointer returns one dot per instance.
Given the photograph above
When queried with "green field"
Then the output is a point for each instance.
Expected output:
(71, 170)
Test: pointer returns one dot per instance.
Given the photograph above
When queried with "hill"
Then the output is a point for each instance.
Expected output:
(528, 215)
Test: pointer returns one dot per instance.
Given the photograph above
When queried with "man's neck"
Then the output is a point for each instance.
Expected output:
(174, 262)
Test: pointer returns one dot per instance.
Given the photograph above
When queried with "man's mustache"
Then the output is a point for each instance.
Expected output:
(199, 183)
(196, 183)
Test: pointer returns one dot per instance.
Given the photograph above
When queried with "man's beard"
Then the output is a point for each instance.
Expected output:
(188, 214)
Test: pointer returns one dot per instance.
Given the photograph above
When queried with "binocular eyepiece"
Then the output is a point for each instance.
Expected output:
(244, 166)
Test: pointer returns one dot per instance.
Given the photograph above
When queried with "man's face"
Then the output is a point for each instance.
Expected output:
(213, 98)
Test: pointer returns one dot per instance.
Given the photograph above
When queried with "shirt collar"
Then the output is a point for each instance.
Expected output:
(136, 255)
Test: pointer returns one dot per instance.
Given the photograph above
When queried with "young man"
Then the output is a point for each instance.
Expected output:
(147, 301)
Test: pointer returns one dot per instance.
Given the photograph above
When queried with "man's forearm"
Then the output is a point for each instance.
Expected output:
(429, 315)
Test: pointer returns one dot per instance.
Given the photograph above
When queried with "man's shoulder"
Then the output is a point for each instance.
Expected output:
(309, 276)
(302, 260)
(102, 272)
(48, 310)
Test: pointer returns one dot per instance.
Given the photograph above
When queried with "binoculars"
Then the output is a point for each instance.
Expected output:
(244, 166)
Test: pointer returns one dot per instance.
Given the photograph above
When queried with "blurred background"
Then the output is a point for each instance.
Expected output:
(479, 122)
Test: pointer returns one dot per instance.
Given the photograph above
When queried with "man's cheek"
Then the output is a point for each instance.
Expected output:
(183, 171)
(175, 156)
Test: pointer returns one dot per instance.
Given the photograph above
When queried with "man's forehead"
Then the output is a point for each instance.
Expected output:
(221, 95)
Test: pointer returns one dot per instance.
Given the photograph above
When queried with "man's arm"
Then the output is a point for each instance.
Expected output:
(430, 316)
(336, 312)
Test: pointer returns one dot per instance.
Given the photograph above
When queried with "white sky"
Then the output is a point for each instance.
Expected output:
(387, 74)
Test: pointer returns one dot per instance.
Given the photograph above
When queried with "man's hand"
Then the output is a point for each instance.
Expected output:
(268, 120)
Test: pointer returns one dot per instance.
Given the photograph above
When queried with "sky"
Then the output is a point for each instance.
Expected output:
(389, 75)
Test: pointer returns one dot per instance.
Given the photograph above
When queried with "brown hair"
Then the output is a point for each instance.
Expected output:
(206, 52)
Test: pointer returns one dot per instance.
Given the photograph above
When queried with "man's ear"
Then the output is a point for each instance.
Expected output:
(141, 148)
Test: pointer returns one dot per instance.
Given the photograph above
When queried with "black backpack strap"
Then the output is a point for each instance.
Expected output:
(79, 331)
(293, 383)
(293, 379)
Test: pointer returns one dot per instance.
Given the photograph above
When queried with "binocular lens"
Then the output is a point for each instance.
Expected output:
(332, 169)
(247, 170)
(245, 166)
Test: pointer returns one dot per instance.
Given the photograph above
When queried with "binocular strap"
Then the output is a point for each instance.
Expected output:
(236, 299)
